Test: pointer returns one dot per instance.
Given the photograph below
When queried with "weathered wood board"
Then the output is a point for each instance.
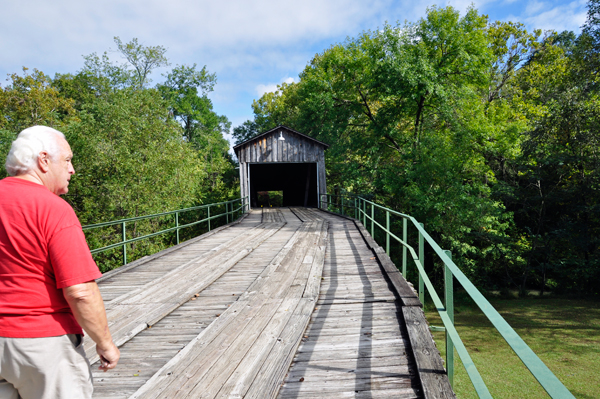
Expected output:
(290, 303)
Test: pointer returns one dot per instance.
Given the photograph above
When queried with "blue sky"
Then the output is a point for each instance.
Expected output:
(252, 45)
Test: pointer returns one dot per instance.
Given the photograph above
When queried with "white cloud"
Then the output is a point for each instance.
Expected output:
(262, 89)
(272, 87)
(184, 26)
(547, 16)
(535, 7)
(557, 15)
(248, 43)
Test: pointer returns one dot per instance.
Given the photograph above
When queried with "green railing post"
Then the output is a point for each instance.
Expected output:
(124, 236)
(449, 303)
(387, 233)
(227, 211)
(355, 209)
(177, 225)
(372, 220)
(364, 213)
(208, 217)
(342, 201)
(422, 260)
(404, 249)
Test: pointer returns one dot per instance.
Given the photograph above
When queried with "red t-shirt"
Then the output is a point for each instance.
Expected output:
(42, 250)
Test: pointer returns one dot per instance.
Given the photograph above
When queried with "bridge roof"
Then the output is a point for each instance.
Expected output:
(275, 131)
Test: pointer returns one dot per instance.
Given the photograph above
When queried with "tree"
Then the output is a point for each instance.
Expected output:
(556, 194)
(143, 59)
(404, 111)
(512, 47)
(189, 106)
(30, 100)
(186, 91)
(245, 131)
(590, 38)
(133, 157)
(131, 160)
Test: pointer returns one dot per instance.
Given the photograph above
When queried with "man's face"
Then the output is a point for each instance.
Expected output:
(60, 169)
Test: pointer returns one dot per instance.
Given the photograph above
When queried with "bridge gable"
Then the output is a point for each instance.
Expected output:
(283, 159)
(280, 144)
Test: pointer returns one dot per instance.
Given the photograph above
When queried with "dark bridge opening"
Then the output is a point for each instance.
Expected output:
(298, 181)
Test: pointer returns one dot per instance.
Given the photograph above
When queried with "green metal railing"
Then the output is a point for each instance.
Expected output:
(233, 209)
(364, 210)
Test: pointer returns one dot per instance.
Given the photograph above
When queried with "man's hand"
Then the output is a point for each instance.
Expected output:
(88, 308)
(108, 357)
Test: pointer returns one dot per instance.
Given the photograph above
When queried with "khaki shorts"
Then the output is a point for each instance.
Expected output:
(44, 368)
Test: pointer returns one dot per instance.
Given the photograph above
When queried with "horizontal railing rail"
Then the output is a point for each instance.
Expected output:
(231, 213)
(364, 210)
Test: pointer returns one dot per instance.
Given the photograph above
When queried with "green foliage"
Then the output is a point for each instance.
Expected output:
(590, 38)
(484, 131)
(194, 111)
(138, 150)
(245, 131)
(30, 100)
(185, 91)
(122, 173)
(402, 109)
(143, 59)
(556, 197)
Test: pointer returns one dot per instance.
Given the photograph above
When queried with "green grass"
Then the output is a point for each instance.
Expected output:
(564, 333)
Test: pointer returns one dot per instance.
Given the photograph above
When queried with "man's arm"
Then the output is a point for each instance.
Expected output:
(88, 308)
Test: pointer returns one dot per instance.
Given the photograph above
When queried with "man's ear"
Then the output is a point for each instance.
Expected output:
(44, 161)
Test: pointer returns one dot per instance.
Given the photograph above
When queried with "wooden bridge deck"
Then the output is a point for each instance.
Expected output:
(290, 303)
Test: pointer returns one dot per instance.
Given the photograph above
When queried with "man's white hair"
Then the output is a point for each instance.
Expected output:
(25, 150)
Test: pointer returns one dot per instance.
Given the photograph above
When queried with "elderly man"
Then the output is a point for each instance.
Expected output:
(47, 287)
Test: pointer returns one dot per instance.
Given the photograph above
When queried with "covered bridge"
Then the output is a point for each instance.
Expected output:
(283, 160)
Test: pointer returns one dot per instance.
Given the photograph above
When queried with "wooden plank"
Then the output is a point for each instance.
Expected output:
(141, 308)
(167, 251)
(240, 380)
(403, 288)
(219, 358)
(347, 328)
(189, 373)
(268, 380)
(321, 305)
(331, 388)
(269, 149)
(431, 372)
(146, 353)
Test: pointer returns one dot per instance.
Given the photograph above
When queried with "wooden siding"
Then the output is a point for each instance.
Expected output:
(270, 149)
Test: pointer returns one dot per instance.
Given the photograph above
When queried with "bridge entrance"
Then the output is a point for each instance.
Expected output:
(285, 163)
(297, 181)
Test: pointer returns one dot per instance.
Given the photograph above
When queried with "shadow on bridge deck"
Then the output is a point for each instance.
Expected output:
(289, 303)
